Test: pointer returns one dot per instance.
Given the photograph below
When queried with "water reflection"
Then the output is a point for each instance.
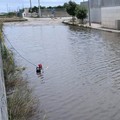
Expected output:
(81, 69)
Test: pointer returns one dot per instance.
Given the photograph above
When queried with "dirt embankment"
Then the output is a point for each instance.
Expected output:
(12, 19)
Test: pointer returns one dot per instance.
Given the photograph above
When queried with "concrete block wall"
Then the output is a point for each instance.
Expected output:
(109, 16)
(3, 101)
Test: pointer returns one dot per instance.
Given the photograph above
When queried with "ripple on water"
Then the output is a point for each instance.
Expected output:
(82, 79)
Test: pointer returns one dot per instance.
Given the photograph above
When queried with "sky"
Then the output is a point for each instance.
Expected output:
(13, 5)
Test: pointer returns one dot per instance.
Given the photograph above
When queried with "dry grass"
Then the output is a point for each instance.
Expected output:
(13, 19)
(20, 104)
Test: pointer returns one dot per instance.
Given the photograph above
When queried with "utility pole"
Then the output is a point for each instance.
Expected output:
(31, 8)
(39, 12)
(89, 12)
(22, 4)
(7, 8)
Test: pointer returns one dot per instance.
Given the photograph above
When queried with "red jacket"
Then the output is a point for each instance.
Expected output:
(40, 66)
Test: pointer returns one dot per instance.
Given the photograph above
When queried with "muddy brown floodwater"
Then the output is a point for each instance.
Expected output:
(81, 79)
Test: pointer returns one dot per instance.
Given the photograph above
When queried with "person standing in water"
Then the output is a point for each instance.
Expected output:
(39, 69)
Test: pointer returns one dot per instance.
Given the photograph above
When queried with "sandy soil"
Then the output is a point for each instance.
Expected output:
(13, 19)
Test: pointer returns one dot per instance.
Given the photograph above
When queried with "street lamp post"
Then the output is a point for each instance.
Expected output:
(31, 8)
(89, 12)
(39, 8)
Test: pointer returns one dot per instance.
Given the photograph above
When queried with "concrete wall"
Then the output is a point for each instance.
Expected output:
(109, 16)
(106, 12)
(104, 3)
(48, 13)
(57, 13)
(3, 102)
(95, 10)
(95, 15)
(95, 3)
(110, 3)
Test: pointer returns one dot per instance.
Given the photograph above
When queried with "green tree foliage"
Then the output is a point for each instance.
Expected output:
(56, 7)
(42, 7)
(49, 7)
(81, 12)
(65, 5)
(59, 7)
(11, 14)
(35, 9)
(70, 8)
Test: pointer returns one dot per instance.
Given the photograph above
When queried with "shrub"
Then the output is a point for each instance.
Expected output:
(70, 8)
(81, 12)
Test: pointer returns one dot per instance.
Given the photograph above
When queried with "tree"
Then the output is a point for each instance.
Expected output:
(65, 5)
(59, 7)
(35, 9)
(81, 12)
(70, 8)
(11, 14)
(49, 7)
(42, 7)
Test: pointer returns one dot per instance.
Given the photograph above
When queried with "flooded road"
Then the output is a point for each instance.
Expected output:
(81, 79)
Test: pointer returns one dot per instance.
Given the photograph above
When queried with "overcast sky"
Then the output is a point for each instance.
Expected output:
(11, 5)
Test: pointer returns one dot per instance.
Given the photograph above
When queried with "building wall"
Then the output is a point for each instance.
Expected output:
(95, 14)
(109, 16)
(95, 11)
(3, 102)
(106, 12)
(95, 3)
(104, 3)
(85, 4)
(110, 3)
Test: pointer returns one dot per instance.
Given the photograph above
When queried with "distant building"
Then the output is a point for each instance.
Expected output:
(26, 12)
(106, 12)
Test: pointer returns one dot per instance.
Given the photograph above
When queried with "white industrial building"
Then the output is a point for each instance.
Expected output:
(105, 12)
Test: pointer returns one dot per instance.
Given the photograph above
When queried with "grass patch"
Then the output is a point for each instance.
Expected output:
(21, 104)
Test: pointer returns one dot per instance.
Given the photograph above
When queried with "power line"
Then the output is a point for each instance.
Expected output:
(18, 52)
